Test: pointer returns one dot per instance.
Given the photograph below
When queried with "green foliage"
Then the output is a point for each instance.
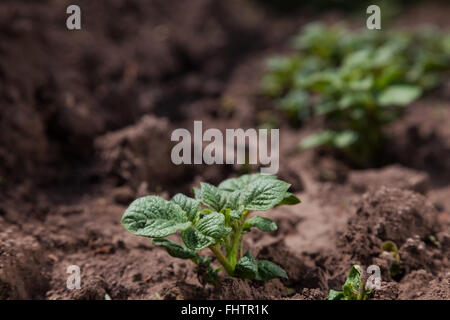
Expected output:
(357, 81)
(217, 218)
(206, 273)
(263, 224)
(261, 270)
(354, 287)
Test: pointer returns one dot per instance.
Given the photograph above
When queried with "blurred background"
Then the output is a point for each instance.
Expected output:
(86, 118)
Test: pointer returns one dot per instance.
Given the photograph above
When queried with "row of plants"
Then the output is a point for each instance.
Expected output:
(358, 81)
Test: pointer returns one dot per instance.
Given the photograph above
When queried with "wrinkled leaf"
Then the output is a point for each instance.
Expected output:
(335, 295)
(289, 199)
(263, 224)
(241, 183)
(247, 267)
(209, 229)
(352, 283)
(268, 270)
(352, 288)
(213, 196)
(264, 194)
(234, 204)
(213, 225)
(189, 205)
(154, 217)
(195, 240)
(197, 194)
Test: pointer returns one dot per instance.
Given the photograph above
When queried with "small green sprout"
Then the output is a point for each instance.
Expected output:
(217, 219)
(354, 287)
(392, 249)
(435, 241)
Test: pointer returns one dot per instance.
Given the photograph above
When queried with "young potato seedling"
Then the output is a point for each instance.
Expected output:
(357, 81)
(354, 287)
(392, 249)
(216, 218)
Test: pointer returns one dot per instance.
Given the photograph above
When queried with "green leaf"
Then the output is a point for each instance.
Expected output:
(335, 295)
(241, 183)
(268, 270)
(174, 249)
(237, 214)
(357, 99)
(213, 196)
(318, 139)
(256, 192)
(263, 224)
(154, 217)
(296, 104)
(234, 204)
(264, 194)
(399, 95)
(351, 286)
(197, 194)
(213, 225)
(247, 267)
(345, 139)
(189, 205)
(195, 240)
(289, 199)
(358, 59)
(209, 229)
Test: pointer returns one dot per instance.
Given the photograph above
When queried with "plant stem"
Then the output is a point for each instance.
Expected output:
(229, 268)
(235, 246)
(237, 240)
(362, 287)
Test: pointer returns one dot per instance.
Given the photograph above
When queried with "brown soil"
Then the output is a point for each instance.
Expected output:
(85, 124)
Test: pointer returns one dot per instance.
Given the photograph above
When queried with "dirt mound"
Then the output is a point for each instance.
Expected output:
(302, 272)
(421, 139)
(140, 154)
(185, 291)
(418, 285)
(237, 289)
(394, 176)
(388, 214)
(130, 58)
(422, 285)
(23, 267)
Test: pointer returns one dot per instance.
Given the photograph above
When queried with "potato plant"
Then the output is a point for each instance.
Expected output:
(354, 287)
(357, 81)
(216, 218)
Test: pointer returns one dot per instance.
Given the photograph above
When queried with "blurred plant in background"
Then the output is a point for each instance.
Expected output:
(359, 81)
